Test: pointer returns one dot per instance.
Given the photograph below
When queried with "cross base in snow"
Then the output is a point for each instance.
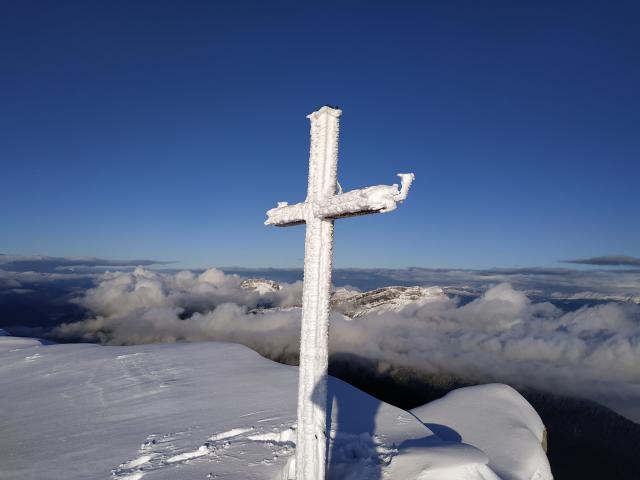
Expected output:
(321, 207)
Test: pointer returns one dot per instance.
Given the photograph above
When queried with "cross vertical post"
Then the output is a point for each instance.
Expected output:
(314, 343)
(321, 207)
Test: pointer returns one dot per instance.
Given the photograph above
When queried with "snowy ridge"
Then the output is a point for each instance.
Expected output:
(261, 285)
(353, 303)
(206, 410)
(383, 299)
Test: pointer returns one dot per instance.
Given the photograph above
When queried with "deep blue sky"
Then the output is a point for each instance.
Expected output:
(166, 129)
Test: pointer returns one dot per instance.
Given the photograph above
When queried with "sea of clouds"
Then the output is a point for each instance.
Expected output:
(502, 335)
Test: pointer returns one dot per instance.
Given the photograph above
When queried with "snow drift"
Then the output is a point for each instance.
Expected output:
(476, 415)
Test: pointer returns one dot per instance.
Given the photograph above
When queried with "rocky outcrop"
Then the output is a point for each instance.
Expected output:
(354, 304)
(261, 285)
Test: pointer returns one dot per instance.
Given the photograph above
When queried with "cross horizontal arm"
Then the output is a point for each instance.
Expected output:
(376, 199)
(285, 215)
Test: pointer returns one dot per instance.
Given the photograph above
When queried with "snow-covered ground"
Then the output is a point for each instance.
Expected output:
(219, 410)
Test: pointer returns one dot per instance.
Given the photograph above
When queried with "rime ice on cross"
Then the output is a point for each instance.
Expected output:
(318, 211)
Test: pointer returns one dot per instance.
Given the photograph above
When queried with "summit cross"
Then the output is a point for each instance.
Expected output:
(321, 207)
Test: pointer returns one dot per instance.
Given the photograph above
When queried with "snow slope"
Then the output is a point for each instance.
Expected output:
(196, 411)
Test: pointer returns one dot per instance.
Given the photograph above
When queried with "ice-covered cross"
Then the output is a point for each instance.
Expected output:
(322, 206)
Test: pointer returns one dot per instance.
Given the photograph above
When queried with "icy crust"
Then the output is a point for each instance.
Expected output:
(200, 410)
(375, 199)
(499, 421)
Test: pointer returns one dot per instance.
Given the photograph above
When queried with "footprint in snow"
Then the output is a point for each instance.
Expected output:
(160, 450)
